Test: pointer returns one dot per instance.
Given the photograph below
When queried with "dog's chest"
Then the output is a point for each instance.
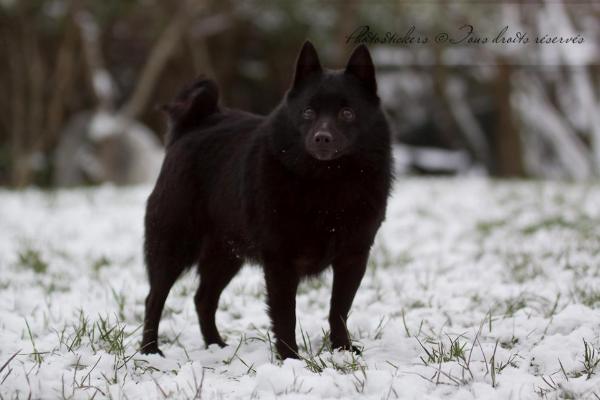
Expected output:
(312, 255)
(313, 235)
(306, 265)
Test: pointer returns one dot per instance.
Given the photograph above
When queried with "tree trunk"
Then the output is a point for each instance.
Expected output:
(507, 140)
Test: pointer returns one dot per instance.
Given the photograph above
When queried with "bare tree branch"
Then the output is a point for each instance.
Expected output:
(63, 76)
(573, 154)
(102, 82)
(159, 56)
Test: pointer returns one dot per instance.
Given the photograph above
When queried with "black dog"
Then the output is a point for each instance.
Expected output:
(296, 191)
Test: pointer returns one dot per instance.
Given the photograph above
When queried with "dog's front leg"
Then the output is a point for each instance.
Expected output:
(282, 284)
(348, 271)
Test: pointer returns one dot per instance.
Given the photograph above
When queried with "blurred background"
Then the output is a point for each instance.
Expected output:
(81, 80)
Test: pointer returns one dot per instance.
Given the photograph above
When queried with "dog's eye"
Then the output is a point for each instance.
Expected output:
(346, 114)
(308, 113)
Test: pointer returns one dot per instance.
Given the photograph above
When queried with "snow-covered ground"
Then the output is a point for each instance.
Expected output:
(476, 290)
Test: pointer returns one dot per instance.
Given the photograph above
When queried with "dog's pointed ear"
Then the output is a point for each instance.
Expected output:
(361, 66)
(307, 63)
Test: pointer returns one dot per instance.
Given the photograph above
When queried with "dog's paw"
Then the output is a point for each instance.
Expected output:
(151, 349)
(282, 355)
(284, 351)
(219, 342)
(348, 347)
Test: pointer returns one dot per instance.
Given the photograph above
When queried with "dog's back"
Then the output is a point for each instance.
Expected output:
(205, 145)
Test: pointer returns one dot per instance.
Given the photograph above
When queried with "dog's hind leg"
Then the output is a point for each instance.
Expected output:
(161, 281)
(217, 266)
(165, 265)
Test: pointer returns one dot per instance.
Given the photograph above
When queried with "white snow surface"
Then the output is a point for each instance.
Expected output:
(507, 271)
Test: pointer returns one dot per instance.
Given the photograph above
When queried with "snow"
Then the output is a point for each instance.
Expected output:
(104, 125)
(103, 83)
(144, 151)
(467, 276)
(406, 156)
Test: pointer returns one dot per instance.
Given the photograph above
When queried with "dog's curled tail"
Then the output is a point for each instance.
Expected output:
(191, 106)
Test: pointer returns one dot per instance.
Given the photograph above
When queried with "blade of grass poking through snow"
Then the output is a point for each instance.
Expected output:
(563, 370)
(326, 342)
(198, 386)
(313, 361)
(91, 370)
(403, 313)
(590, 359)
(236, 355)
(379, 329)
(160, 389)
(36, 354)
(9, 360)
(271, 351)
(120, 300)
(429, 355)
(493, 365)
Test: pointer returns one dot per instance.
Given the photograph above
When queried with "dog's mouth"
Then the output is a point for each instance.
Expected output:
(325, 155)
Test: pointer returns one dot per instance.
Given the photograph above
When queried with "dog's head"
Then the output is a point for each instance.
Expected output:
(333, 111)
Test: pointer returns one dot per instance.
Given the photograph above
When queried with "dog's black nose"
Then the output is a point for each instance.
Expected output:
(323, 137)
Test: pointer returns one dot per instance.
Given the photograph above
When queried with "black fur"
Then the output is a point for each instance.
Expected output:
(190, 108)
(299, 190)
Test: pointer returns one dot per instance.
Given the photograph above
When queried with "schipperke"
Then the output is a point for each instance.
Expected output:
(296, 191)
